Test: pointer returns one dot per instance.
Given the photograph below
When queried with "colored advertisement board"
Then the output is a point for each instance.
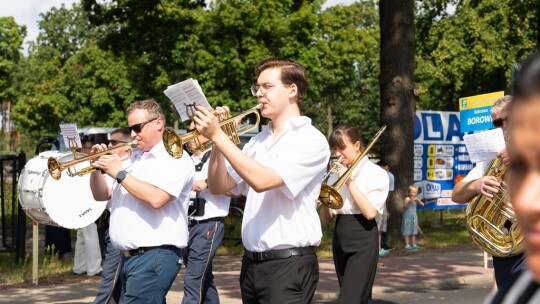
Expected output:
(475, 111)
(440, 157)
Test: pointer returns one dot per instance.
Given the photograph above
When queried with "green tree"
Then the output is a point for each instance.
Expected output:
(11, 39)
(472, 51)
(345, 68)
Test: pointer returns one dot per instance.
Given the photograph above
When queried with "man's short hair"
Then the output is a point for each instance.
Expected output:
(291, 73)
(123, 131)
(501, 104)
(150, 105)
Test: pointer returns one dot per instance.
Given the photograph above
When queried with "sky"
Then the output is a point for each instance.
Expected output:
(27, 12)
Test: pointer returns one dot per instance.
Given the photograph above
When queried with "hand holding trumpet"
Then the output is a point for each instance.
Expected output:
(110, 164)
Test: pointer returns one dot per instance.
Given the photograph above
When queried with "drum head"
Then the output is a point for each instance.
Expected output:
(68, 201)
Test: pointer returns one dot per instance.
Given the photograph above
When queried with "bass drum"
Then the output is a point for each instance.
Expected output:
(67, 202)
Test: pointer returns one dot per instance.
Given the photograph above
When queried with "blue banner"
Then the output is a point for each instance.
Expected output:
(440, 157)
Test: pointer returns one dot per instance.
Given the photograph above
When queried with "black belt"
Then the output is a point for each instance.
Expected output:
(141, 250)
(278, 254)
(193, 222)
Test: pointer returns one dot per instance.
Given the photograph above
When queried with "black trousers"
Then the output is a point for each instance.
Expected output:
(355, 249)
(508, 268)
(291, 280)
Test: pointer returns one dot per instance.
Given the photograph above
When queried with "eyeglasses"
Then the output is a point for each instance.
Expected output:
(137, 128)
(497, 123)
(265, 87)
(116, 142)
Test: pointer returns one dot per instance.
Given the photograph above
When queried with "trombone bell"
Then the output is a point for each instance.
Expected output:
(232, 126)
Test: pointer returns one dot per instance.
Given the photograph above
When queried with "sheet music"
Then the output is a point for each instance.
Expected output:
(70, 135)
(185, 96)
(484, 146)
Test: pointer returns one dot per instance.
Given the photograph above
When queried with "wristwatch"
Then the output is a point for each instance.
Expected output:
(120, 176)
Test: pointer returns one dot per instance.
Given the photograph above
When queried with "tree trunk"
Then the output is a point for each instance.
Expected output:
(329, 117)
(397, 100)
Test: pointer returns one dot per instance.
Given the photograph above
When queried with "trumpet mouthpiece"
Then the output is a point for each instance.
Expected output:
(133, 143)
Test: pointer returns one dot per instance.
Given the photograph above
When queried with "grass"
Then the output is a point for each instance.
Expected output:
(50, 268)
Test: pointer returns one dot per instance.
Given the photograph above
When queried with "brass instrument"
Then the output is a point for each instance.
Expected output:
(491, 222)
(55, 167)
(329, 195)
(174, 143)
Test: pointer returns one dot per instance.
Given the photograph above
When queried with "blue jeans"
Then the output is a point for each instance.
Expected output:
(204, 240)
(147, 277)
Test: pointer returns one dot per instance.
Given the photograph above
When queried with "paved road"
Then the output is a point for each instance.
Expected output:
(470, 294)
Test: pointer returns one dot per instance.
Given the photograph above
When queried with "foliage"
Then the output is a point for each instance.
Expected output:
(472, 51)
(11, 39)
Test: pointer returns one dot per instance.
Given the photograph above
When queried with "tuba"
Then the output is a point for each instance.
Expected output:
(491, 222)
(329, 195)
(174, 143)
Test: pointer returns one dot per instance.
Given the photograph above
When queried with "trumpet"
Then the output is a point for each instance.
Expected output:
(174, 143)
(329, 195)
(55, 167)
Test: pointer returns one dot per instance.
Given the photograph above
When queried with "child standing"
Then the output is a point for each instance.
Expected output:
(409, 226)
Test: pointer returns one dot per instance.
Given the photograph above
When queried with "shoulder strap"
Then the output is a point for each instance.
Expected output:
(204, 159)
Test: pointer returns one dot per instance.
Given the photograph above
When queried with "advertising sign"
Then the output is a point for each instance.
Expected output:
(440, 157)
(475, 111)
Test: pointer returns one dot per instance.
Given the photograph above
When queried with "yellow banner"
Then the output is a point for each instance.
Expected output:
(478, 101)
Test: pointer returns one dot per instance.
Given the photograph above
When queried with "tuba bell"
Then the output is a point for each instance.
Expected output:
(491, 222)
(329, 195)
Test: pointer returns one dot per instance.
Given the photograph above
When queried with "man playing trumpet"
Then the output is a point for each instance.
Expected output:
(148, 206)
(281, 171)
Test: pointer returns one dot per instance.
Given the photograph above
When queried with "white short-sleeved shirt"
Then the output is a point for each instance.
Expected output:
(216, 205)
(477, 172)
(372, 180)
(134, 224)
(285, 217)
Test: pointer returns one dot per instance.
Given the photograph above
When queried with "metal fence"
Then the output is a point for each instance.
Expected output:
(12, 217)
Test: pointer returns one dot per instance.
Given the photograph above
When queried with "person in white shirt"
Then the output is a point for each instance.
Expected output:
(281, 170)
(149, 204)
(206, 229)
(355, 242)
(475, 183)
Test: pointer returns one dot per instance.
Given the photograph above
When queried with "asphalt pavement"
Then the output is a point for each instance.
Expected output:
(400, 271)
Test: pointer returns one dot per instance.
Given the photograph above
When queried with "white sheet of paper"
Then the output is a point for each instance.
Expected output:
(185, 95)
(70, 135)
(485, 145)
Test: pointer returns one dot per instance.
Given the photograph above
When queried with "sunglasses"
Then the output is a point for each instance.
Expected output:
(116, 142)
(497, 123)
(137, 128)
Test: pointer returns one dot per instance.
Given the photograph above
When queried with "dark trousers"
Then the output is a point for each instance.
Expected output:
(58, 237)
(355, 249)
(507, 269)
(204, 240)
(110, 287)
(147, 277)
(291, 280)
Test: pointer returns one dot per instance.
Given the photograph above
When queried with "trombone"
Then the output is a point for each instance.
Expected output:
(55, 167)
(329, 195)
(174, 143)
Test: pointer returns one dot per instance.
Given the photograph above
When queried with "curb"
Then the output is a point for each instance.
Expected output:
(429, 284)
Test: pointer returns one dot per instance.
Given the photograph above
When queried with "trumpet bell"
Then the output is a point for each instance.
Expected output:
(330, 197)
(173, 143)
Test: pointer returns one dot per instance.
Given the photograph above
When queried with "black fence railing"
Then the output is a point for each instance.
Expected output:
(12, 217)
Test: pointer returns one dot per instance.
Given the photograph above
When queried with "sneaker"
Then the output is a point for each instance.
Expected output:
(386, 247)
(409, 247)
(383, 252)
(415, 246)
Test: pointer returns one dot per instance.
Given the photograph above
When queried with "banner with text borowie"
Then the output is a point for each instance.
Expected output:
(440, 157)
(475, 111)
